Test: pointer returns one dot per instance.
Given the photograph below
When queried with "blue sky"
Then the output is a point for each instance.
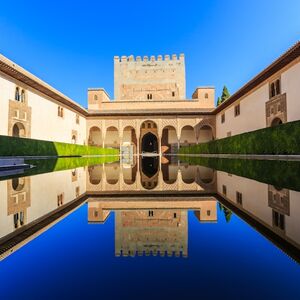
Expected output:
(71, 44)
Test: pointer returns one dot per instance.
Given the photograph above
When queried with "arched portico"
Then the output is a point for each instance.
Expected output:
(188, 136)
(112, 139)
(95, 174)
(205, 134)
(129, 141)
(95, 136)
(169, 140)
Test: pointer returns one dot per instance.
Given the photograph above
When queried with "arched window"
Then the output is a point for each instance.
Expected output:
(277, 86)
(17, 94)
(272, 89)
(61, 112)
(23, 96)
(206, 95)
(95, 97)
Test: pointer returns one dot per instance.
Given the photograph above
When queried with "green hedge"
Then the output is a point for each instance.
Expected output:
(280, 173)
(13, 146)
(281, 139)
(63, 163)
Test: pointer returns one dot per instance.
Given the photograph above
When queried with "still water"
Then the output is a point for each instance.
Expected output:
(159, 228)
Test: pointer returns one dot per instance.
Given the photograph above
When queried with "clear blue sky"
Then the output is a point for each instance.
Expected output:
(71, 44)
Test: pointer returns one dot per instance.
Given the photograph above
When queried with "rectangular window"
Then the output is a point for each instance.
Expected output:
(239, 198)
(223, 118)
(278, 220)
(173, 94)
(224, 190)
(237, 110)
(77, 119)
(60, 111)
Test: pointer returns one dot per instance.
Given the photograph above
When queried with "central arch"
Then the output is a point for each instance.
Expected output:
(150, 143)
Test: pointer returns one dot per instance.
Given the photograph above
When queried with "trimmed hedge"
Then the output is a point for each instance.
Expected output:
(281, 139)
(279, 173)
(59, 164)
(14, 146)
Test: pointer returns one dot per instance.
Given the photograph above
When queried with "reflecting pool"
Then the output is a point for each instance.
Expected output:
(151, 227)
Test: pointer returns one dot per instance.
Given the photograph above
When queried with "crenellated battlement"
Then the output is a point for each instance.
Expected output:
(152, 58)
(149, 77)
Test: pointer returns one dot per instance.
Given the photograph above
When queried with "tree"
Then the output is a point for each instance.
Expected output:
(225, 94)
(219, 101)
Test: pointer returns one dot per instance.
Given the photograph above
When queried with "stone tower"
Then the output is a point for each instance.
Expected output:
(149, 78)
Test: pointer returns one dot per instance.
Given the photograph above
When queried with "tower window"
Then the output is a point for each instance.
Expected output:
(173, 94)
(95, 97)
(149, 96)
(206, 95)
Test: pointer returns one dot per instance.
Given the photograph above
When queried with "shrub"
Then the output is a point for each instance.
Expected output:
(13, 146)
(281, 139)
(282, 174)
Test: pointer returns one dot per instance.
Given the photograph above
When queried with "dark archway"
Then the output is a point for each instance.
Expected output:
(18, 130)
(276, 121)
(150, 166)
(150, 143)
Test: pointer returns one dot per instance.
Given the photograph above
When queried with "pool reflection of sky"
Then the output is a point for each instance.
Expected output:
(76, 260)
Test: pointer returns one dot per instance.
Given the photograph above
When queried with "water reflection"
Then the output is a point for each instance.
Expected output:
(150, 198)
(145, 227)
(148, 173)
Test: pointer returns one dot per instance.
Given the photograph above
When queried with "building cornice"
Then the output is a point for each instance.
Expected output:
(286, 58)
(160, 112)
(16, 72)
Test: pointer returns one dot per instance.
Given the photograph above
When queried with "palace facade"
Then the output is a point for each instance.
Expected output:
(150, 112)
